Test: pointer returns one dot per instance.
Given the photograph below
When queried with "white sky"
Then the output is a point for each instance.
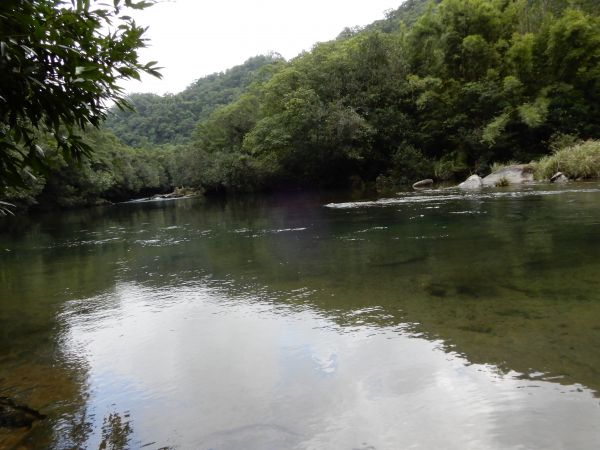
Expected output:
(193, 38)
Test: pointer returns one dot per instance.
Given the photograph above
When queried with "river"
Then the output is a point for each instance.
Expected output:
(434, 319)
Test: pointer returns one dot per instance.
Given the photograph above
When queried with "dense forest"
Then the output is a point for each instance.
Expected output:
(435, 89)
(172, 118)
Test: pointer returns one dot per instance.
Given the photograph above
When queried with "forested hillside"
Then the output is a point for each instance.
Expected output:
(469, 83)
(172, 118)
(435, 90)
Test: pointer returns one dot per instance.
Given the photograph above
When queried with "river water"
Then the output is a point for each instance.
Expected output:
(427, 320)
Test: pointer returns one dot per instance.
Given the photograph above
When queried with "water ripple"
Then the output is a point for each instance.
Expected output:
(436, 196)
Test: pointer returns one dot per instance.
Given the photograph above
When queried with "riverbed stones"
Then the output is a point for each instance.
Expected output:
(423, 184)
(473, 182)
(513, 174)
(559, 177)
(14, 415)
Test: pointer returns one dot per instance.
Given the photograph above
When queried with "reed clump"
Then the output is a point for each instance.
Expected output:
(577, 161)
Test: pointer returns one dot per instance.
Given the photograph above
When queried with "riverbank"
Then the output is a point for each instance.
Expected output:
(575, 161)
(579, 161)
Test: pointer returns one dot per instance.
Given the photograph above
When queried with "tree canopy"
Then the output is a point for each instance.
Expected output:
(61, 63)
(172, 118)
(437, 89)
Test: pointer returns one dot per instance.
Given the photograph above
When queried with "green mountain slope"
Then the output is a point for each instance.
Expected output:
(171, 118)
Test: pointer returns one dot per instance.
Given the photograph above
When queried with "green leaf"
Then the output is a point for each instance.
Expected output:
(494, 129)
(534, 114)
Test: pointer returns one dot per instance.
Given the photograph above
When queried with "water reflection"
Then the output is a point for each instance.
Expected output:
(289, 325)
(236, 369)
(116, 432)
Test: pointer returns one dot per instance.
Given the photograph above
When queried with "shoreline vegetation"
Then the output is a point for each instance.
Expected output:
(577, 162)
(569, 161)
(436, 90)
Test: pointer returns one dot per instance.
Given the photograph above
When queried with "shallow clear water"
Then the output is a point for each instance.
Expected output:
(428, 320)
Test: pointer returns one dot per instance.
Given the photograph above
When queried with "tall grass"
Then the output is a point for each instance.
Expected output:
(580, 160)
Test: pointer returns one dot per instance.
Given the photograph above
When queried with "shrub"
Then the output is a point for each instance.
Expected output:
(409, 165)
(451, 167)
(576, 161)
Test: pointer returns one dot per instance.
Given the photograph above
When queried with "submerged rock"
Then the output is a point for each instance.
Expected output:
(473, 182)
(515, 174)
(423, 184)
(13, 415)
(559, 177)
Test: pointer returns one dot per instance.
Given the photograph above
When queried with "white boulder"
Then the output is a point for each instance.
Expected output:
(515, 174)
(473, 182)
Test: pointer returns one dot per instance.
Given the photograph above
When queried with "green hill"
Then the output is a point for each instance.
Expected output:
(172, 118)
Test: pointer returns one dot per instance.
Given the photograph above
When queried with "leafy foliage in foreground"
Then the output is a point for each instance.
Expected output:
(60, 63)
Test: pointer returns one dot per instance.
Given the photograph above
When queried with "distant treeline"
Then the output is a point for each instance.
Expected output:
(433, 90)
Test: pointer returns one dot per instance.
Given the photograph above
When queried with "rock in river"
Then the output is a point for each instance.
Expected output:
(423, 184)
(559, 177)
(13, 415)
(515, 174)
(473, 182)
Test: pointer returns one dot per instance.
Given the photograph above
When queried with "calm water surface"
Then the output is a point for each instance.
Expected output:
(427, 320)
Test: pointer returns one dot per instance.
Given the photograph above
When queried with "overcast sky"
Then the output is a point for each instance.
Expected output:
(193, 38)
